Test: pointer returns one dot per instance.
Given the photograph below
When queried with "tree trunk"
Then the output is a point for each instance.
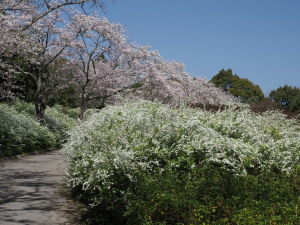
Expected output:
(83, 104)
(40, 111)
(39, 103)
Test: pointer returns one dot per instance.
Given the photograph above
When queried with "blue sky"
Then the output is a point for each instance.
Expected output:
(257, 39)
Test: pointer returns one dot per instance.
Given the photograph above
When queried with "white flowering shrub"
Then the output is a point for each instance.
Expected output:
(115, 149)
(20, 133)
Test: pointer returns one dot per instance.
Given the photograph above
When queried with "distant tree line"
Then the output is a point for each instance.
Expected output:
(286, 97)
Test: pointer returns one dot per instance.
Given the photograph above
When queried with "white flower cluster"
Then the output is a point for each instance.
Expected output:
(121, 141)
(20, 133)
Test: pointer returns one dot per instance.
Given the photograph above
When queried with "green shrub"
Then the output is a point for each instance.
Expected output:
(24, 107)
(214, 196)
(20, 133)
(57, 118)
(71, 112)
(89, 112)
(145, 163)
(59, 123)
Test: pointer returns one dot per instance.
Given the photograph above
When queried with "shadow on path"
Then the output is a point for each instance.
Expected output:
(29, 190)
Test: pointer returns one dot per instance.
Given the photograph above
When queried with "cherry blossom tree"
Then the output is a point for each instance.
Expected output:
(168, 82)
(35, 62)
(103, 62)
(30, 30)
(18, 16)
(107, 68)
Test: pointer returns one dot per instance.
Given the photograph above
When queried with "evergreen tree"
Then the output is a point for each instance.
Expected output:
(287, 97)
(242, 88)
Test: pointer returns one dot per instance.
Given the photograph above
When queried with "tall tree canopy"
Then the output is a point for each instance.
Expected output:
(34, 35)
(242, 88)
(287, 97)
(224, 79)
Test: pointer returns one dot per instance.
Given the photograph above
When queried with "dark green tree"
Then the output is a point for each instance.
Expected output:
(224, 79)
(242, 88)
(287, 97)
(295, 103)
(68, 97)
(246, 90)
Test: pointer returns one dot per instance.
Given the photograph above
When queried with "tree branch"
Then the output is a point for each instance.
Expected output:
(35, 19)
(24, 72)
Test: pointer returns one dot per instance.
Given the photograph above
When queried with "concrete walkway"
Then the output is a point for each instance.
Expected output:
(29, 190)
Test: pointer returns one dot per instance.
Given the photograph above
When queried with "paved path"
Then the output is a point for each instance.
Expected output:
(29, 190)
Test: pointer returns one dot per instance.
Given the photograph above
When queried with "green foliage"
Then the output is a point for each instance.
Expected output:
(287, 97)
(89, 113)
(246, 90)
(24, 107)
(70, 112)
(295, 103)
(67, 97)
(59, 123)
(214, 196)
(145, 163)
(20, 133)
(58, 119)
(25, 87)
(241, 88)
(21, 85)
(224, 79)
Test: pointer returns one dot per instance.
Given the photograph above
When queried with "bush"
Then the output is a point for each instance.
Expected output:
(214, 196)
(57, 118)
(59, 123)
(145, 163)
(70, 112)
(20, 133)
(24, 107)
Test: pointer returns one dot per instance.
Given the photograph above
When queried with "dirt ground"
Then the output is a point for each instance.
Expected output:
(33, 191)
